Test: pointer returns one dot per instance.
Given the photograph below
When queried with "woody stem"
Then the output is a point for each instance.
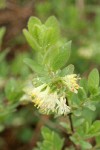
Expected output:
(70, 118)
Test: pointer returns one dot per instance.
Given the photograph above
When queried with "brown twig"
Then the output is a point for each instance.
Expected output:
(70, 118)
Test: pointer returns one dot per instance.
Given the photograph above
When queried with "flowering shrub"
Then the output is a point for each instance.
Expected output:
(56, 89)
(47, 81)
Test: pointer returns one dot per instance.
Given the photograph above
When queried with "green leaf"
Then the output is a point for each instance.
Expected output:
(52, 22)
(93, 81)
(12, 90)
(98, 139)
(75, 138)
(41, 35)
(61, 59)
(3, 5)
(90, 105)
(65, 125)
(38, 33)
(50, 37)
(32, 22)
(67, 70)
(3, 54)
(18, 67)
(25, 134)
(50, 55)
(2, 32)
(82, 94)
(35, 33)
(96, 97)
(95, 128)
(35, 66)
(78, 112)
(9, 89)
(86, 127)
(88, 114)
(51, 140)
(45, 34)
(46, 133)
(85, 145)
(78, 122)
(97, 125)
(32, 42)
(83, 83)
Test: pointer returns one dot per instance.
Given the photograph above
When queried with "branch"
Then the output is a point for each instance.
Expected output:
(70, 118)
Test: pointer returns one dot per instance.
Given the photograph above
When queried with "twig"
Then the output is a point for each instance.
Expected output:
(70, 118)
(71, 122)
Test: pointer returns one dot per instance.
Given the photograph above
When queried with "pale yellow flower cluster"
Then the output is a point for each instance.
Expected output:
(51, 102)
(71, 82)
(46, 101)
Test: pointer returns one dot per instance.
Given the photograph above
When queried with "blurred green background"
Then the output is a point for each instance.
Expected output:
(79, 20)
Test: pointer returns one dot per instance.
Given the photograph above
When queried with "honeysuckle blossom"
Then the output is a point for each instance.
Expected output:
(71, 82)
(34, 91)
(47, 101)
(62, 107)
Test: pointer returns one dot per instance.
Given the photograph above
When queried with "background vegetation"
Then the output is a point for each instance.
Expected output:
(20, 123)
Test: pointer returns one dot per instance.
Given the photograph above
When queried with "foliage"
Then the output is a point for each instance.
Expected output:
(75, 116)
(53, 58)
(51, 140)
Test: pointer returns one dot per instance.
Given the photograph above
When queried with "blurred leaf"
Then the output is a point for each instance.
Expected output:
(78, 122)
(67, 70)
(2, 4)
(63, 55)
(50, 37)
(51, 141)
(33, 21)
(96, 97)
(50, 54)
(82, 94)
(83, 83)
(93, 81)
(18, 67)
(75, 138)
(85, 145)
(78, 112)
(52, 22)
(98, 139)
(88, 114)
(34, 28)
(35, 66)
(90, 105)
(95, 128)
(25, 134)
(3, 54)
(13, 90)
(2, 32)
(32, 42)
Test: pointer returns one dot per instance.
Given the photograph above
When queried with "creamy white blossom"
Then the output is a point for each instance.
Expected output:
(47, 101)
(71, 82)
(62, 107)
(33, 91)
